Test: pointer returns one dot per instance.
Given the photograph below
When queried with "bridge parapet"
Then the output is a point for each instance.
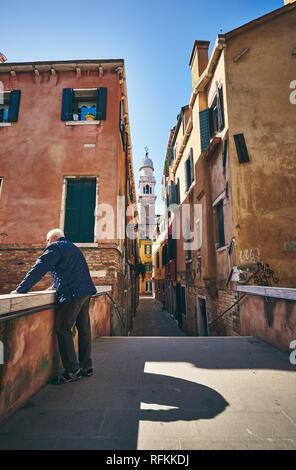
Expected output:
(29, 349)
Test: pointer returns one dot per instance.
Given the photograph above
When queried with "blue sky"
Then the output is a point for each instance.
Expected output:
(154, 38)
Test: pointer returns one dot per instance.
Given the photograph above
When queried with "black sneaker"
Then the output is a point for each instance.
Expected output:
(87, 372)
(67, 377)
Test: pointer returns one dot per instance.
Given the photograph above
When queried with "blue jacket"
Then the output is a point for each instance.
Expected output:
(68, 269)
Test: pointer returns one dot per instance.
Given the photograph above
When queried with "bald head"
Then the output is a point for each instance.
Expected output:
(54, 235)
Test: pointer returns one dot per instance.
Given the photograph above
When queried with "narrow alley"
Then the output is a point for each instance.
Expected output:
(172, 392)
(152, 320)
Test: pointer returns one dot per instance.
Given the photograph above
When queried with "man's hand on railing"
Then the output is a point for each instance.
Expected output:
(14, 292)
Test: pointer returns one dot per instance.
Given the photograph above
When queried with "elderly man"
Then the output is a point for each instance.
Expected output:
(74, 287)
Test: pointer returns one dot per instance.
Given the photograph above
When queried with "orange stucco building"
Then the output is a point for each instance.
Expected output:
(65, 161)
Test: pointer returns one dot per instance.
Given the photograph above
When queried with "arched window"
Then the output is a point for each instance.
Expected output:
(147, 189)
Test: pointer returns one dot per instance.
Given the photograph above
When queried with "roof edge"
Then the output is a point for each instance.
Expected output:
(258, 21)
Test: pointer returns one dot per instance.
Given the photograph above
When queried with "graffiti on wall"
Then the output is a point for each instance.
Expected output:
(249, 256)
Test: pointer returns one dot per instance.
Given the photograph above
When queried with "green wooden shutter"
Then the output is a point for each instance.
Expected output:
(170, 155)
(80, 210)
(241, 148)
(220, 111)
(206, 128)
(67, 104)
(191, 166)
(186, 175)
(178, 191)
(225, 153)
(220, 218)
(101, 103)
(14, 104)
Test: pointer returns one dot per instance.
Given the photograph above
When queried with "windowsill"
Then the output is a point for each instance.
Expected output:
(5, 124)
(86, 245)
(222, 248)
(190, 188)
(82, 123)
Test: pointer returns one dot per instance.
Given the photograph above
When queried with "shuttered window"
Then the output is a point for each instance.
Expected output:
(121, 124)
(80, 210)
(225, 153)
(189, 170)
(9, 108)
(241, 148)
(82, 104)
(206, 128)
(220, 222)
(170, 155)
(220, 108)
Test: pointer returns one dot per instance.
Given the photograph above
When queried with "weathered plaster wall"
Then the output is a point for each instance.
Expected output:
(272, 320)
(264, 189)
(42, 149)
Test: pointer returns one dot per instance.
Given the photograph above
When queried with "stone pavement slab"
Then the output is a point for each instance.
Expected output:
(166, 393)
(153, 320)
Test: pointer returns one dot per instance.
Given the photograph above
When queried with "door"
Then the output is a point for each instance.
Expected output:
(202, 320)
(80, 210)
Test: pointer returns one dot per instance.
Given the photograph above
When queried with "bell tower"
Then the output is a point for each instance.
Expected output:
(146, 198)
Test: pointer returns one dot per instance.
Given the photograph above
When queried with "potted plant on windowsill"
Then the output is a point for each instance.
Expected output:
(89, 117)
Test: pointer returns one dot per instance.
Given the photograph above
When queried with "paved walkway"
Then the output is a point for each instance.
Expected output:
(166, 393)
(152, 320)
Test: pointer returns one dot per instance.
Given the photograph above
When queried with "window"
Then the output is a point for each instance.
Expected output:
(9, 105)
(148, 267)
(84, 104)
(121, 124)
(220, 224)
(1, 181)
(147, 189)
(147, 249)
(176, 151)
(188, 237)
(148, 286)
(189, 171)
(218, 110)
(202, 321)
(174, 193)
(241, 148)
(211, 120)
(157, 259)
(172, 242)
(164, 255)
(80, 209)
(170, 156)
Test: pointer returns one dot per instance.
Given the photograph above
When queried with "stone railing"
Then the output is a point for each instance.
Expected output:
(269, 313)
(29, 355)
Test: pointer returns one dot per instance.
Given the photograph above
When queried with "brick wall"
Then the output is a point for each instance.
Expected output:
(229, 324)
(105, 265)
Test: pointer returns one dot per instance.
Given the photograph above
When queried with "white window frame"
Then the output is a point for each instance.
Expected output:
(5, 124)
(83, 123)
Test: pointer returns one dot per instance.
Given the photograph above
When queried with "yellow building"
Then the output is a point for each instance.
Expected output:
(145, 253)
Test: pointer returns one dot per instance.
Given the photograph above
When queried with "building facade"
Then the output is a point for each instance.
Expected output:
(231, 174)
(65, 127)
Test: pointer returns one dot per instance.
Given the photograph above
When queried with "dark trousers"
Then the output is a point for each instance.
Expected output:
(66, 315)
